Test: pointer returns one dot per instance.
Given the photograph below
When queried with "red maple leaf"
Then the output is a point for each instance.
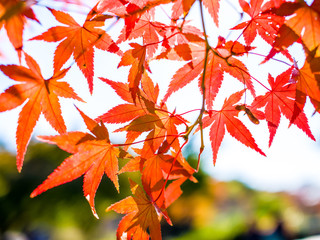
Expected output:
(79, 41)
(219, 60)
(93, 155)
(146, 28)
(261, 22)
(42, 96)
(142, 216)
(226, 117)
(280, 99)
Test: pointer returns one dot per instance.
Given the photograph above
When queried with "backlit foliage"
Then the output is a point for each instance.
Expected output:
(155, 134)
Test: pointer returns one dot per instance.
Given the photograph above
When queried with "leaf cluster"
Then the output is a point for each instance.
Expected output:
(156, 135)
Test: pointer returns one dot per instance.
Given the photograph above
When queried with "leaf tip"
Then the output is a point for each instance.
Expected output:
(108, 209)
(33, 194)
(20, 160)
(94, 212)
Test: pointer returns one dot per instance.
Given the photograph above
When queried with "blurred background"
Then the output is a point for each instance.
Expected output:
(211, 209)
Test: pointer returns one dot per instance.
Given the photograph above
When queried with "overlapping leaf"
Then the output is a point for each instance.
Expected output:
(79, 41)
(142, 216)
(13, 15)
(93, 155)
(146, 28)
(305, 23)
(302, 24)
(139, 21)
(145, 116)
(41, 96)
(136, 58)
(280, 100)
(156, 169)
(147, 123)
(308, 84)
(181, 8)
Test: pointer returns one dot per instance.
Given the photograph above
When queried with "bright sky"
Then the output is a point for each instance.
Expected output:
(292, 161)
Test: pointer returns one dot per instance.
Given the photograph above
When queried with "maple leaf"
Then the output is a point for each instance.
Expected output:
(127, 8)
(280, 99)
(305, 23)
(177, 37)
(264, 23)
(226, 117)
(136, 59)
(13, 16)
(93, 155)
(133, 109)
(308, 84)
(142, 216)
(277, 3)
(146, 28)
(213, 8)
(144, 116)
(79, 41)
(301, 26)
(285, 38)
(129, 111)
(219, 60)
(181, 8)
(138, 18)
(173, 191)
(157, 168)
(41, 96)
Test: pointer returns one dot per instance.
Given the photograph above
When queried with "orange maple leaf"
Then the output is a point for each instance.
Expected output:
(142, 216)
(42, 96)
(305, 23)
(302, 25)
(131, 110)
(136, 58)
(13, 16)
(144, 116)
(79, 41)
(93, 155)
(308, 84)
